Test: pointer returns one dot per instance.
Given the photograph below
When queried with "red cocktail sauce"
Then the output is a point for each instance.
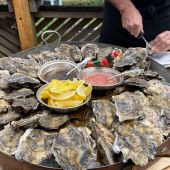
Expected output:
(100, 79)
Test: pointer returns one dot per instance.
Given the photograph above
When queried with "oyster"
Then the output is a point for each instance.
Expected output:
(74, 148)
(32, 121)
(137, 141)
(53, 122)
(104, 140)
(19, 80)
(44, 56)
(136, 82)
(3, 83)
(9, 139)
(76, 53)
(9, 117)
(3, 106)
(25, 105)
(131, 57)
(13, 65)
(128, 103)
(35, 146)
(21, 93)
(89, 50)
(105, 113)
(104, 52)
(2, 94)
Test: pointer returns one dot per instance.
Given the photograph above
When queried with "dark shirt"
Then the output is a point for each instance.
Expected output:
(156, 19)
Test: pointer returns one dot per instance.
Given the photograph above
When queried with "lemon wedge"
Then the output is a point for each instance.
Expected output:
(50, 102)
(63, 96)
(80, 92)
(87, 90)
(45, 95)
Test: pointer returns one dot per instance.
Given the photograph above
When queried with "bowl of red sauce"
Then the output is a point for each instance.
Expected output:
(98, 77)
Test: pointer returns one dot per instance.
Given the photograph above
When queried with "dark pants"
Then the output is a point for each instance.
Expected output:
(156, 19)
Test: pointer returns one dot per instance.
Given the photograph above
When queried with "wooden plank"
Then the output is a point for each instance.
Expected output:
(12, 47)
(2, 55)
(11, 38)
(75, 29)
(4, 50)
(64, 28)
(25, 23)
(88, 29)
(53, 27)
(93, 35)
(64, 14)
(7, 15)
(42, 24)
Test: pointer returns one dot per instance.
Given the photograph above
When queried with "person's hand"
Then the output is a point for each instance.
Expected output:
(132, 21)
(162, 42)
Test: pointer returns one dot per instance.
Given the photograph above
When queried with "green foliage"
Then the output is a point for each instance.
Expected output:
(90, 3)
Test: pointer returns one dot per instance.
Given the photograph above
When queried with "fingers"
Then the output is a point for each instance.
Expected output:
(162, 42)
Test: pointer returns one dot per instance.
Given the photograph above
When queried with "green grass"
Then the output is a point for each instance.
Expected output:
(90, 3)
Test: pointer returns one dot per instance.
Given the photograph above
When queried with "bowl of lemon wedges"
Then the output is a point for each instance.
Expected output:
(64, 96)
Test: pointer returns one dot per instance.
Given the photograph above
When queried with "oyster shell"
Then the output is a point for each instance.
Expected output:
(3, 106)
(128, 103)
(89, 50)
(35, 146)
(137, 141)
(76, 53)
(104, 52)
(25, 105)
(9, 117)
(105, 113)
(53, 122)
(19, 80)
(21, 93)
(137, 82)
(44, 56)
(9, 139)
(74, 148)
(32, 121)
(13, 65)
(3, 83)
(2, 94)
(104, 140)
(131, 57)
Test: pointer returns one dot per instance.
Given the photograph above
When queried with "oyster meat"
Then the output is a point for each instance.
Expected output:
(104, 52)
(19, 80)
(35, 146)
(25, 105)
(13, 65)
(9, 139)
(104, 140)
(105, 113)
(44, 57)
(8, 117)
(31, 121)
(3, 83)
(128, 103)
(131, 57)
(89, 50)
(21, 93)
(4, 106)
(53, 122)
(74, 148)
(137, 141)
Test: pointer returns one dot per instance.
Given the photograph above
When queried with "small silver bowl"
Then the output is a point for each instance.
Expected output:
(87, 71)
(58, 109)
(55, 65)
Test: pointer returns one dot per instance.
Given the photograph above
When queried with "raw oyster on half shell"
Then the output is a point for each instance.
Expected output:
(128, 104)
(35, 146)
(53, 122)
(89, 50)
(105, 113)
(74, 148)
(104, 52)
(3, 83)
(3, 106)
(9, 139)
(19, 80)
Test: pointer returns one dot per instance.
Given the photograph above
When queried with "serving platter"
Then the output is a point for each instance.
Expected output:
(8, 162)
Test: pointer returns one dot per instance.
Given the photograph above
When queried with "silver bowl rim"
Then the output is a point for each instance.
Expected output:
(40, 70)
(59, 108)
(102, 68)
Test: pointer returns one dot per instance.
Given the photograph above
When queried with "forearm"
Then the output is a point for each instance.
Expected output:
(122, 5)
